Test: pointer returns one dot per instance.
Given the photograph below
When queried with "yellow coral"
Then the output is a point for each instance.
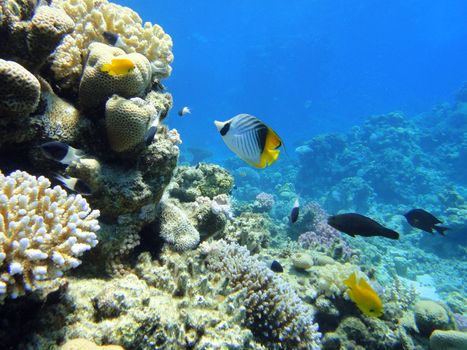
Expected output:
(97, 86)
(92, 18)
(127, 121)
(42, 232)
(84, 344)
(19, 90)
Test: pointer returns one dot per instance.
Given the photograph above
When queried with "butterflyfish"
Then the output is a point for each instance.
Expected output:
(118, 66)
(61, 152)
(250, 139)
(364, 296)
(424, 221)
(355, 224)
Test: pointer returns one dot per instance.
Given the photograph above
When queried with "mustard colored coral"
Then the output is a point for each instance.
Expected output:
(92, 18)
(84, 344)
(19, 90)
(43, 231)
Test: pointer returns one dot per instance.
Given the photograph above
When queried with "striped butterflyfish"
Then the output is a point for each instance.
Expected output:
(250, 139)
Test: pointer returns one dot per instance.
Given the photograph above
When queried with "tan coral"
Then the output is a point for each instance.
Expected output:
(43, 231)
(127, 121)
(48, 27)
(19, 90)
(97, 86)
(92, 18)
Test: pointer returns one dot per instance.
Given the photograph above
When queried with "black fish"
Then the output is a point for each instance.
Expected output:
(276, 266)
(295, 211)
(61, 152)
(355, 224)
(111, 37)
(423, 220)
(150, 135)
(74, 184)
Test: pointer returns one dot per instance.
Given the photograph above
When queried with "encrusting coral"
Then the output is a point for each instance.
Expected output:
(43, 231)
(96, 86)
(84, 344)
(448, 340)
(92, 18)
(19, 90)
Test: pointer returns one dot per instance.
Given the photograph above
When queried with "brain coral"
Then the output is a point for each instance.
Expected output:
(97, 86)
(42, 232)
(275, 313)
(92, 18)
(175, 227)
(127, 121)
(19, 90)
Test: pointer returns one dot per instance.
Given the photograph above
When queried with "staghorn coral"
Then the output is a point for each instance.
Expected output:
(43, 231)
(274, 312)
(19, 90)
(127, 121)
(400, 297)
(175, 228)
(92, 18)
(97, 86)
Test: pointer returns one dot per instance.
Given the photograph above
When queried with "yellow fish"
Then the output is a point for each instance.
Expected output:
(250, 139)
(119, 66)
(364, 296)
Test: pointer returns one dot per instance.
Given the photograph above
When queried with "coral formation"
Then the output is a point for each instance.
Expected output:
(127, 121)
(175, 228)
(92, 18)
(448, 340)
(43, 231)
(275, 314)
(19, 90)
(96, 86)
(83, 344)
(430, 315)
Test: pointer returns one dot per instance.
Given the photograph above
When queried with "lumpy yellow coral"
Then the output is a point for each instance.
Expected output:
(43, 231)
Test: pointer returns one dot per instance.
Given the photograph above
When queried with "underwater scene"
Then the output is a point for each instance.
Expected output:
(233, 175)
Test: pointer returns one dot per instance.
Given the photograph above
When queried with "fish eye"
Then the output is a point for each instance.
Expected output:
(372, 310)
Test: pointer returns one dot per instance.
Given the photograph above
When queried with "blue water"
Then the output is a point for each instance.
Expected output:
(307, 67)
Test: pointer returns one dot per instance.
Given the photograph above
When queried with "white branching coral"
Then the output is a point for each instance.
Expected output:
(43, 231)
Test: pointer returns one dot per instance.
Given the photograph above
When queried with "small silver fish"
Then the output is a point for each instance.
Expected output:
(74, 184)
(61, 152)
(185, 110)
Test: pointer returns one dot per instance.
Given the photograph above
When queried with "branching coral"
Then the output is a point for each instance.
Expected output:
(275, 313)
(43, 231)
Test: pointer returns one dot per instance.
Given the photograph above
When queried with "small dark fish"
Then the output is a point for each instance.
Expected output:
(158, 86)
(425, 221)
(355, 224)
(184, 111)
(61, 152)
(152, 130)
(276, 266)
(295, 211)
(74, 184)
(114, 39)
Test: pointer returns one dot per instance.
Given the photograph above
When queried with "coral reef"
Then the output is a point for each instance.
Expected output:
(430, 315)
(274, 313)
(448, 340)
(83, 344)
(43, 231)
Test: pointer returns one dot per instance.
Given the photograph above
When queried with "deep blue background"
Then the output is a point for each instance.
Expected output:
(307, 66)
